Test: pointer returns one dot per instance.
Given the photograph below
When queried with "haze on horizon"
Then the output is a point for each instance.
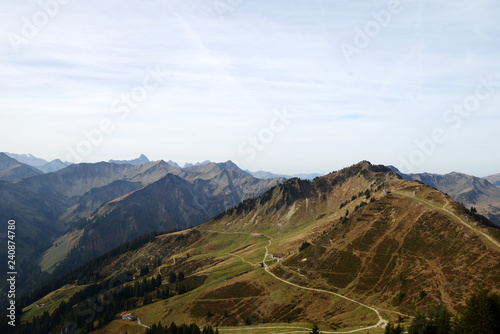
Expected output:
(288, 87)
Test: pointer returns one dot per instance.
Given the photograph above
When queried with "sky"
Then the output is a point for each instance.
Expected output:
(307, 86)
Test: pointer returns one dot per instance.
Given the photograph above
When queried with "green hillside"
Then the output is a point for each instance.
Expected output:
(355, 249)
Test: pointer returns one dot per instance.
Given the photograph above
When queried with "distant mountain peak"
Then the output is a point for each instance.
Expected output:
(162, 163)
(187, 164)
(38, 163)
(229, 165)
(142, 159)
(173, 163)
(28, 159)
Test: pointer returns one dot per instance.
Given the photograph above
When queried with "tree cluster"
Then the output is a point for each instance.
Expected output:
(481, 315)
(172, 278)
(304, 245)
(84, 274)
(181, 329)
(98, 304)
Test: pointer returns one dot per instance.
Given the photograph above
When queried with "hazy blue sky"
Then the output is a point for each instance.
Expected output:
(286, 86)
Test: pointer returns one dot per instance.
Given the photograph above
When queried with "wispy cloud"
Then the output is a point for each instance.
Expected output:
(226, 74)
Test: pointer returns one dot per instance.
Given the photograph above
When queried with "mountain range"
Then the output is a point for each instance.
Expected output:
(84, 209)
(142, 159)
(80, 211)
(57, 164)
(472, 191)
(40, 164)
(164, 198)
(268, 175)
(350, 250)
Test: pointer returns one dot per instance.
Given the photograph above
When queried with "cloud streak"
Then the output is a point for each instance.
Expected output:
(227, 75)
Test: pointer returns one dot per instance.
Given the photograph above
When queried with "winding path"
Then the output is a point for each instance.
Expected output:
(381, 322)
(242, 259)
(460, 220)
(261, 328)
(139, 323)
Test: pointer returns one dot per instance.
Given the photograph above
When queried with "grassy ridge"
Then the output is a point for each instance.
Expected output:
(396, 252)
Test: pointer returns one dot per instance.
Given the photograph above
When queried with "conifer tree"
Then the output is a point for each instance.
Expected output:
(315, 330)
(481, 314)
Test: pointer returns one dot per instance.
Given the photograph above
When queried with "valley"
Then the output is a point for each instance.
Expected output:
(81, 211)
(250, 167)
(351, 251)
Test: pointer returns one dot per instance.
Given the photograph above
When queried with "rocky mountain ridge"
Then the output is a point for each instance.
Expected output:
(470, 190)
(58, 208)
(350, 251)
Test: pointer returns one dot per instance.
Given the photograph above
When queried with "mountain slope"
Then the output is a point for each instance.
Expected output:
(47, 207)
(41, 164)
(12, 170)
(230, 181)
(212, 167)
(467, 189)
(167, 204)
(89, 202)
(172, 202)
(28, 159)
(75, 180)
(352, 249)
(364, 253)
(53, 209)
(494, 179)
